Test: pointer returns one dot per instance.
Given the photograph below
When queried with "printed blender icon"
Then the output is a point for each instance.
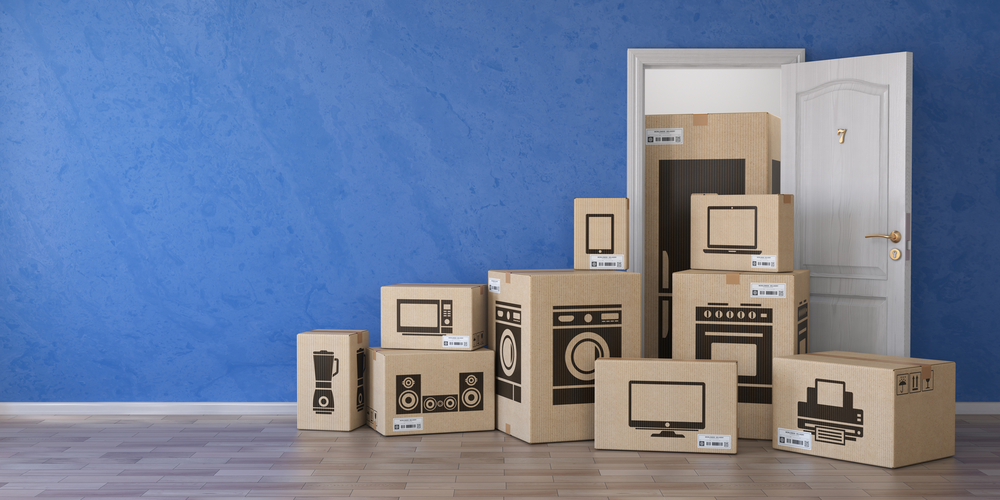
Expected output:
(326, 367)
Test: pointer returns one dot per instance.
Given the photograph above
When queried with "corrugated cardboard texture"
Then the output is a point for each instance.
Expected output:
(730, 232)
(415, 315)
(600, 229)
(684, 398)
(544, 363)
(897, 417)
(434, 386)
(732, 153)
(717, 319)
(330, 379)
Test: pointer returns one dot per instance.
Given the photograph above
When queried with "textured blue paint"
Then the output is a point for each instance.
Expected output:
(185, 186)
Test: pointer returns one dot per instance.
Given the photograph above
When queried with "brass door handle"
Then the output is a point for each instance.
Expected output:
(893, 236)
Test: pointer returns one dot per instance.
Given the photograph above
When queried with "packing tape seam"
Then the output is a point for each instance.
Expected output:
(925, 370)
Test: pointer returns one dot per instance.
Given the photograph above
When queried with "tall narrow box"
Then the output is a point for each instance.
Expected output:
(600, 233)
(434, 316)
(330, 379)
(748, 232)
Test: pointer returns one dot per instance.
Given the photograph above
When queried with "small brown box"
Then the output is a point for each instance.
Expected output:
(665, 405)
(600, 234)
(434, 316)
(886, 411)
(748, 232)
(331, 379)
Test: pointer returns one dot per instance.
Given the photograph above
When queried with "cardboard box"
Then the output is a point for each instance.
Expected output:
(330, 376)
(600, 233)
(429, 392)
(729, 153)
(748, 317)
(665, 405)
(878, 410)
(743, 232)
(547, 328)
(434, 316)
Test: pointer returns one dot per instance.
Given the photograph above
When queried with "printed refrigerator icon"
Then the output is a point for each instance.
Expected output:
(829, 414)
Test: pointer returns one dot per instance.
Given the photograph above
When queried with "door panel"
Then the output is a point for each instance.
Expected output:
(828, 308)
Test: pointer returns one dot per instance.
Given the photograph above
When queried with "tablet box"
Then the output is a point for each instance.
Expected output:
(747, 317)
(743, 232)
(330, 379)
(430, 392)
(665, 405)
(548, 327)
(600, 233)
(877, 410)
(434, 316)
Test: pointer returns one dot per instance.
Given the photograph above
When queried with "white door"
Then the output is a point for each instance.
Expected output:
(845, 154)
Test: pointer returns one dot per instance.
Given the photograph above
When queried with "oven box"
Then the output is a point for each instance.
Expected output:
(547, 328)
(743, 232)
(600, 233)
(330, 379)
(878, 410)
(748, 317)
(434, 316)
(429, 392)
(726, 153)
(665, 405)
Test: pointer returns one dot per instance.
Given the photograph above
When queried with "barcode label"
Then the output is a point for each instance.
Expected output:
(794, 439)
(453, 341)
(764, 261)
(715, 441)
(494, 285)
(670, 136)
(614, 261)
(767, 290)
(408, 424)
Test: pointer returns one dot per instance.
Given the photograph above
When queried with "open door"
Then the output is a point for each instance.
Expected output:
(845, 151)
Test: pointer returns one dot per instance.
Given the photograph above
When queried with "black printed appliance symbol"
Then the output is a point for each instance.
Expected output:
(600, 233)
(745, 329)
(507, 323)
(666, 406)
(831, 423)
(721, 240)
(424, 317)
(580, 335)
(409, 398)
(325, 367)
(360, 398)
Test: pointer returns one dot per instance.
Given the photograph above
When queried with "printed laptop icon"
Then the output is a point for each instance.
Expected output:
(732, 230)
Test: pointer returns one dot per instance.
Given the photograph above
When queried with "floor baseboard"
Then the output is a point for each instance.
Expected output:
(147, 408)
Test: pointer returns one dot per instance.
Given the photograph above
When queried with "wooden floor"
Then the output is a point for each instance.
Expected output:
(266, 457)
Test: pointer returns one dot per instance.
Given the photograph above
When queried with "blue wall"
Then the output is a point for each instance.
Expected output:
(185, 186)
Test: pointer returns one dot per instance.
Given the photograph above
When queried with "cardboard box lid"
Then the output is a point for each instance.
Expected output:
(871, 360)
(324, 331)
(435, 285)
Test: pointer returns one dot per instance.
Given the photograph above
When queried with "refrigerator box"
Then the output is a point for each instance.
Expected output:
(547, 328)
(665, 405)
(726, 153)
(744, 232)
(434, 316)
(747, 317)
(430, 392)
(330, 379)
(600, 233)
(878, 410)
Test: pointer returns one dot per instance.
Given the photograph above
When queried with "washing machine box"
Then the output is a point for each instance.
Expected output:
(547, 328)
(434, 316)
(748, 317)
(665, 405)
(600, 233)
(330, 376)
(886, 411)
(430, 392)
(743, 232)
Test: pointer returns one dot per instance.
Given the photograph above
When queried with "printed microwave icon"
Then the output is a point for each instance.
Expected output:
(424, 317)
(829, 413)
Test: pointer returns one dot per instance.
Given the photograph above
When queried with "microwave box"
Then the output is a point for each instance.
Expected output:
(886, 411)
(330, 376)
(743, 232)
(600, 233)
(547, 328)
(747, 317)
(726, 153)
(428, 392)
(665, 405)
(434, 316)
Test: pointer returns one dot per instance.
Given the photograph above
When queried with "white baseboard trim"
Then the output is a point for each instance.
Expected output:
(147, 408)
(977, 408)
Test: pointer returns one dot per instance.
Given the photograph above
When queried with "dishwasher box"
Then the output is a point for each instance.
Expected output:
(743, 232)
(330, 379)
(600, 233)
(434, 316)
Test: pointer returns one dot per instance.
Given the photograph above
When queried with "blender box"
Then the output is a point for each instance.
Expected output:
(600, 233)
(330, 378)
(434, 316)
(743, 232)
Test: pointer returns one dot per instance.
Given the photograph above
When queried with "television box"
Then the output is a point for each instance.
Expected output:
(747, 317)
(429, 392)
(743, 232)
(728, 153)
(547, 328)
(878, 410)
(330, 376)
(600, 233)
(434, 316)
(665, 405)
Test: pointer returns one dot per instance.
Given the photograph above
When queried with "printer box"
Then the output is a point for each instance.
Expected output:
(600, 233)
(330, 379)
(434, 316)
(743, 232)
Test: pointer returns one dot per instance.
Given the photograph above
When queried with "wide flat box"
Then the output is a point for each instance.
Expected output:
(548, 327)
(330, 379)
(665, 405)
(747, 317)
(430, 392)
(886, 411)
(434, 316)
(743, 232)
(726, 153)
(600, 233)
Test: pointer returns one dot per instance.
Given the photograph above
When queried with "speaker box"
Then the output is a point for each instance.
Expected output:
(470, 391)
(407, 394)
